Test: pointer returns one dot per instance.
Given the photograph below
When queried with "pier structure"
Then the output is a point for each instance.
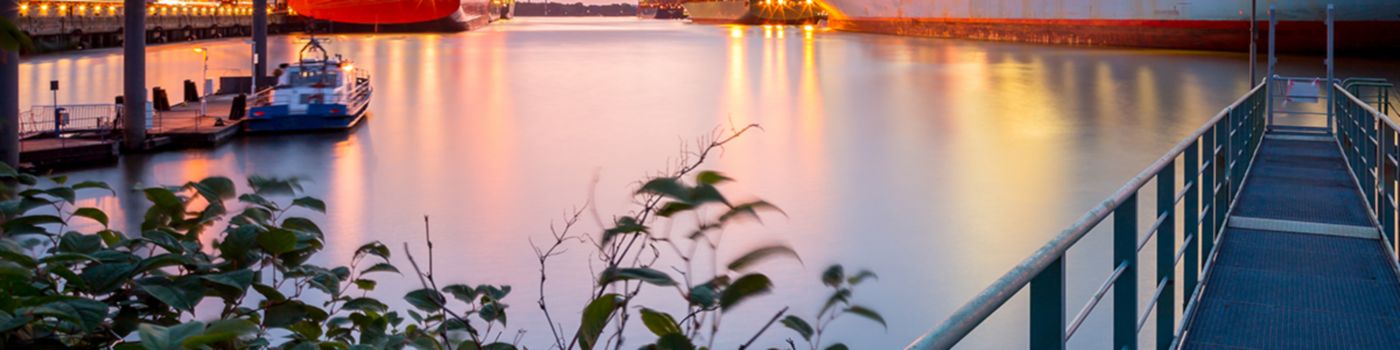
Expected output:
(62, 25)
(1287, 231)
(134, 78)
(9, 93)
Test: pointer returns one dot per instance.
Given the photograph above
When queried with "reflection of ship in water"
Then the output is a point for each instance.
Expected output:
(660, 9)
(404, 15)
(754, 11)
(1361, 25)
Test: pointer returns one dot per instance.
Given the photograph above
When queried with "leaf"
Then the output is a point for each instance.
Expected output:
(380, 267)
(365, 304)
(674, 341)
(668, 187)
(838, 346)
(92, 213)
(156, 337)
(218, 331)
(104, 278)
(867, 313)
(65, 193)
(61, 258)
(746, 286)
(92, 185)
(162, 197)
(762, 253)
(493, 312)
(624, 225)
(710, 177)
(748, 210)
(236, 281)
(182, 294)
(494, 292)
(660, 323)
(644, 274)
(595, 319)
(12, 269)
(426, 299)
(310, 203)
(277, 241)
(220, 186)
(273, 186)
(707, 194)
(373, 248)
(365, 284)
(671, 208)
(833, 275)
(861, 277)
(799, 325)
(269, 293)
(282, 314)
(461, 292)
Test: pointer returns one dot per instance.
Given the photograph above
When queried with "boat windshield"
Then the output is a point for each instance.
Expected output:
(305, 77)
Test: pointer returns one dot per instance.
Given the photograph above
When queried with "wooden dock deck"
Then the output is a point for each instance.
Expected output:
(183, 127)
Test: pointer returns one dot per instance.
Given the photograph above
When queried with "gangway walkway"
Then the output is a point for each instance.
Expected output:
(1274, 237)
(1299, 266)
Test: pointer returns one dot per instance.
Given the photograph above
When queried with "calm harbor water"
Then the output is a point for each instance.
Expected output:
(938, 164)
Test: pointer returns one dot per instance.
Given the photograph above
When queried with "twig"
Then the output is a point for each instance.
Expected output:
(764, 329)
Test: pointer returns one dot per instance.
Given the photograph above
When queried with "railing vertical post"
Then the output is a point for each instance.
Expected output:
(1166, 255)
(1387, 208)
(1207, 193)
(1190, 222)
(1125, 233)
(1048, 308)
(1269, 92)
(1222, 195)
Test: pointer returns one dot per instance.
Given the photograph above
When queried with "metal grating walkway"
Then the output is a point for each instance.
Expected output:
(1292, 290)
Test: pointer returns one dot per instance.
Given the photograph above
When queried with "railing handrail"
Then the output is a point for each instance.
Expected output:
(984, 304)
(1365, 106)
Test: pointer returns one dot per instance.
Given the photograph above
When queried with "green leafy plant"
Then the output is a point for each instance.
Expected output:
(70, 280)
(681, 216)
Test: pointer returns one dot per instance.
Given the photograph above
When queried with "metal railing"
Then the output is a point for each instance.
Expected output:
(73, 118)
(1368, 140)
(1213, 162)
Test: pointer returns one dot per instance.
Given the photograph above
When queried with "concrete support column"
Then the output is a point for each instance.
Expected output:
(9, 93)
(134, 74)
(260, 42)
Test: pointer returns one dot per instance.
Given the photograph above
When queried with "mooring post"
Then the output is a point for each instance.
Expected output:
(134, 78)
(259, 42)
(9, 93)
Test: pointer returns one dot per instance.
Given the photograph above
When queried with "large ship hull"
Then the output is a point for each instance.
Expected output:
(403, 15)
(1220, 25)
(754, 12)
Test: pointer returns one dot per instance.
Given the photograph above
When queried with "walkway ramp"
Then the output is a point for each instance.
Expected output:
(1275, 236)
(1299, 266)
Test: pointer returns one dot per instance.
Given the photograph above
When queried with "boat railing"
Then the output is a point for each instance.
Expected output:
(1212, 162)
(1368, 138)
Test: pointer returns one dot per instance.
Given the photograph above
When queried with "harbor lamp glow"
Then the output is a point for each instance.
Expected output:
(204, 79)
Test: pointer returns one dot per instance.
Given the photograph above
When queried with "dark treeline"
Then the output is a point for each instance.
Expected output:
(574, 9)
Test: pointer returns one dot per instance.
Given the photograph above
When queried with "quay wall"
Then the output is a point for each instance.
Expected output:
(69, 25)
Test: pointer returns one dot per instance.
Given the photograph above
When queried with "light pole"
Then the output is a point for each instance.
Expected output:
(204, 80)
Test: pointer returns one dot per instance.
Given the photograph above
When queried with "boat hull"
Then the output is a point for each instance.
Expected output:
(742, 12)
(317, 117)
(404, 16)
(1217, 25)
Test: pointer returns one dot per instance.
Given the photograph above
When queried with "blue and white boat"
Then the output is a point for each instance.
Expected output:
(319, 92)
